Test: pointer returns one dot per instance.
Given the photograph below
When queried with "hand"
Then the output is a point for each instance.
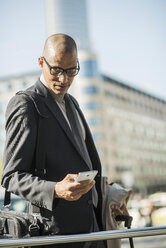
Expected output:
(116, 210)
(71, 190)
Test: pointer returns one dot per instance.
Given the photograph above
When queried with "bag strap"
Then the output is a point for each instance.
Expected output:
(40, 169)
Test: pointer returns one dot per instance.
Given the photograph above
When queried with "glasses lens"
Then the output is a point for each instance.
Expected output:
(56, 71)
(72, 72)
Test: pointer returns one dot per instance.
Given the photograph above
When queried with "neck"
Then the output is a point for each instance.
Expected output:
(58, 98)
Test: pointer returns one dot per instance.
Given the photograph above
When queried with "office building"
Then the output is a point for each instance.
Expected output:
(135, 125)
(128, 126)
(8, 87)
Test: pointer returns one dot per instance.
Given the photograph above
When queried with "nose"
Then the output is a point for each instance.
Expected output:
(63, 78)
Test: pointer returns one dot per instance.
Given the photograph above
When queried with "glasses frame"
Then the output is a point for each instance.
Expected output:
(62, 70)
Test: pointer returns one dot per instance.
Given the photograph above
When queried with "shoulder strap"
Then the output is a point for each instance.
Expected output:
(38, 103)
(39, 163)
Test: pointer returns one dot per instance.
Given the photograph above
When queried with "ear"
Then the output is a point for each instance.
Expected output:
(40, 62)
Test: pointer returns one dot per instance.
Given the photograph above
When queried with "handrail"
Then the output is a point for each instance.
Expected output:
(105, 235)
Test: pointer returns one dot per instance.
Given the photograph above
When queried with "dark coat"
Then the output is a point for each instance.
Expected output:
(61, 157)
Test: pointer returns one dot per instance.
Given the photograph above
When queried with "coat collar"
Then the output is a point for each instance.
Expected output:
(54, 108)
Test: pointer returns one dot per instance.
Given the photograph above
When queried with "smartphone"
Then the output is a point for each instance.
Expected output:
(86, 175)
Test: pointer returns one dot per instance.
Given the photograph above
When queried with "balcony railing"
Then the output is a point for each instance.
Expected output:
(105, 235)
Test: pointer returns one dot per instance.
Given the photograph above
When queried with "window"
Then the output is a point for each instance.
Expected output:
(88, 68)
(91, 105)
(90, 90)
(94, 121)
(97, 136)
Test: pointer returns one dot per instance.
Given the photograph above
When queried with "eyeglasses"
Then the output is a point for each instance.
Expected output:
(57, 71)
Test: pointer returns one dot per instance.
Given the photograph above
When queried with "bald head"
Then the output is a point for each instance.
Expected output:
(59, 43)
(59, 63)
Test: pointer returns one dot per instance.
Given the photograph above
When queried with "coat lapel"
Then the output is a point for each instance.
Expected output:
(54, 108)
(89, 141)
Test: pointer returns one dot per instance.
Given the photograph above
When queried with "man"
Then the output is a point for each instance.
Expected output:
(67, 149)
(75, 206)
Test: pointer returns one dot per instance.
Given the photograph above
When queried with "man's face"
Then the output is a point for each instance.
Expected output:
(58, 83)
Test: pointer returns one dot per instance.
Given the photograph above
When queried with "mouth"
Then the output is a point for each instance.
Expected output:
(60, 85)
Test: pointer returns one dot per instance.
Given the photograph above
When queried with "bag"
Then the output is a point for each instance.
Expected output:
(16, 224)
(112, 194)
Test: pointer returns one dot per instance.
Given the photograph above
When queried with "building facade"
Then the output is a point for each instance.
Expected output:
(135, 126)
(8, 87)
(128, 127)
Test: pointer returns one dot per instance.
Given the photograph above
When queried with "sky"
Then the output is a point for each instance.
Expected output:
(128, 36)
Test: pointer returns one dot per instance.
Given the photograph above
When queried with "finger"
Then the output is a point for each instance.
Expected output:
(86, 182)
(119, 211)
(74, 198)
(77, 193)
(124, 210)
(114, 206)
(116, 210)
(82, 190)
(71, 177)
(129, 194)
(81, 185)
(87, 187)
(116, 213)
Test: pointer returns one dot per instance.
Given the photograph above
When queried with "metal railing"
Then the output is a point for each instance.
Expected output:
(105, 235)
